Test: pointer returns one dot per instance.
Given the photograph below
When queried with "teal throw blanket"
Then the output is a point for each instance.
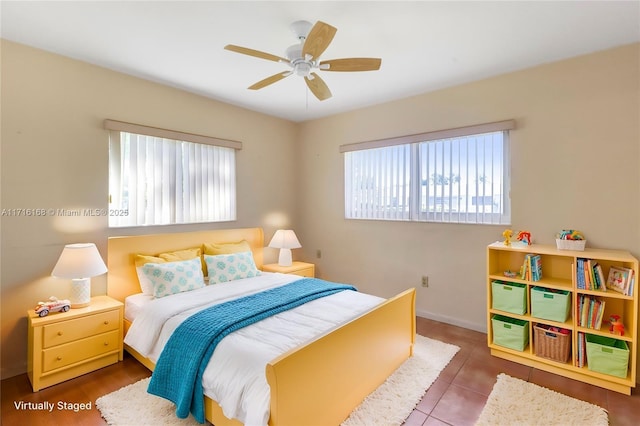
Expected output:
(178, 373)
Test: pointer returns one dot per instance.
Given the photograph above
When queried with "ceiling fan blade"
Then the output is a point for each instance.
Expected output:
(255, 53)
(270, 80)
(318, 87)
(351, 64)
(318, 39)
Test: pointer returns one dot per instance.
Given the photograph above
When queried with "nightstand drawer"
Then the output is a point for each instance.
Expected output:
(74, 329)
(306, 272)
(63, 355)
(302, 269)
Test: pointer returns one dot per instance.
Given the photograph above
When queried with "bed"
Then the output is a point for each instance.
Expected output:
(304, 380)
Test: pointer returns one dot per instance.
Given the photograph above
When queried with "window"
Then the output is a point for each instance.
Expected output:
(459, 175)
(159, 177)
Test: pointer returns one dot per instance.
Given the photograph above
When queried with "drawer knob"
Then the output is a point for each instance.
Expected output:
(106, 322)
(106, 343)
(59, 333)
(59, 358)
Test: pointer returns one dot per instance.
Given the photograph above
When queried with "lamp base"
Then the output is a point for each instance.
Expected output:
(80, 293)
(285, 257)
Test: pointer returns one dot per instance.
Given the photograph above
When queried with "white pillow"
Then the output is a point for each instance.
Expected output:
(145, 284)
(229, 267)
(174, 277)
(174, 256)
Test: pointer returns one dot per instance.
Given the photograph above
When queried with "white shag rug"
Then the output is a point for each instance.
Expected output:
(514, 402)
(389, 405)
(133, 406)
(392, 402)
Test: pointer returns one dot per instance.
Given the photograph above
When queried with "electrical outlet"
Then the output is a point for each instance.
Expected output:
(425, 281)
(318, 253)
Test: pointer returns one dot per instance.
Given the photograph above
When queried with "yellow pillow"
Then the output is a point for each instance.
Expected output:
(227, 248)
(173, 256)
(178, 255)
(142, 259)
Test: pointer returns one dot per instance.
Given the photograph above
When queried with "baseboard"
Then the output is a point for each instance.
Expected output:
(482, 328)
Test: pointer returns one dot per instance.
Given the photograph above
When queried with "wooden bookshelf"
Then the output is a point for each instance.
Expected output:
(559, 273)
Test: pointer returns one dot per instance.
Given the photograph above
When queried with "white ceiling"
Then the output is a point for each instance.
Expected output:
(424, 45)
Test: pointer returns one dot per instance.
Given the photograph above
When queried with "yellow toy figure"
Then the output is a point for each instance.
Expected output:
(507, 234)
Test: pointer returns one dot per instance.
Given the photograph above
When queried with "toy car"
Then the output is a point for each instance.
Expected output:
(53, 305)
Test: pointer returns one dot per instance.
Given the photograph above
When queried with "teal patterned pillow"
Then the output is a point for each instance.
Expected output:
(174, 277)
(229, 267)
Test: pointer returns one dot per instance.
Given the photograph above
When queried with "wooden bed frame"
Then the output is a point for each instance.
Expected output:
(318, 383)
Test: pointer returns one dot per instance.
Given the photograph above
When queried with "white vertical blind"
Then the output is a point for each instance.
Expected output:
(159, 181)
(377, 183)
(460, 179)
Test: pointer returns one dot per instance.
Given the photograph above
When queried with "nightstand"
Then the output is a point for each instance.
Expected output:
(65, 345)
(297, 268)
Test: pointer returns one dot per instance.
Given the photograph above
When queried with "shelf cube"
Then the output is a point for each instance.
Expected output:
(607, 355)
(509, 297)
(510, 332)
(550, 305)
(551, 344)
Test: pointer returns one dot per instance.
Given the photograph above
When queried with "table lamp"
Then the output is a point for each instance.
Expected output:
(79, 262)
(285, 240)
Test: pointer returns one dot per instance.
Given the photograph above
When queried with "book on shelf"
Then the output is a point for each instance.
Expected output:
(597, 269)
(580, 273)
(620, 279)
(531, 269)
(590, 311)
(581, 356)
(589, 275)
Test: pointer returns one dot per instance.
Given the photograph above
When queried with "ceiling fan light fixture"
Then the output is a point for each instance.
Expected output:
(303, 69)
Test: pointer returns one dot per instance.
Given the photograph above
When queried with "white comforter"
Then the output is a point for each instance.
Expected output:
(235, 376)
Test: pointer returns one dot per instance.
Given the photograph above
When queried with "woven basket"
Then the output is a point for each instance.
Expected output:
(577, 245)
(552, 345)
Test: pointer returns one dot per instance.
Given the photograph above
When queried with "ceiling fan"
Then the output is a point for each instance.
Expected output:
(303, 58)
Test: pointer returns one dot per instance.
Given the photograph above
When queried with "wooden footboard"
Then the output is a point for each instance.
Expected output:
(322, 382)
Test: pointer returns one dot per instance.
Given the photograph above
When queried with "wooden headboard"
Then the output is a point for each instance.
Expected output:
(122, 280)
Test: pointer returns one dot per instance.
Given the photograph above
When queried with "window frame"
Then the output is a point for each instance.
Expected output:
(185, 143)
(414, 143)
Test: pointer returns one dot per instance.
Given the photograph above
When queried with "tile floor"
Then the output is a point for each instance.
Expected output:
(457, 397)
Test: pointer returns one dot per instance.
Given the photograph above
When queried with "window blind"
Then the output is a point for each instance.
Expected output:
(157, 181)
(460, 179)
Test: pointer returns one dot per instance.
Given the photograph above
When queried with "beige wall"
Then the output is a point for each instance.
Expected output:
(55, 155)
(575, 164)
(575, 155)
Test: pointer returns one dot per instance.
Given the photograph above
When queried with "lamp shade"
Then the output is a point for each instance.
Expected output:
(79, 261)
(285, 238)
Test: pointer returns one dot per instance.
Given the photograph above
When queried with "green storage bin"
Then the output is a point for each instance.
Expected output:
(509, 297)
(607, 355)
(550, 305)
(509, 332)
